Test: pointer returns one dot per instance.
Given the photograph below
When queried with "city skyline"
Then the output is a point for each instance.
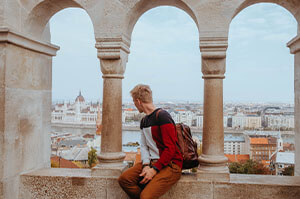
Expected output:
(165, 39)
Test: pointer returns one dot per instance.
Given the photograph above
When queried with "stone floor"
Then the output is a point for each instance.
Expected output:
(78, 183)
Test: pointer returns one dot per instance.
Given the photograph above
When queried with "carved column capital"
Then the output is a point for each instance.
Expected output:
(213, 53)
(113, 55)
(294, 45)
(112, 48)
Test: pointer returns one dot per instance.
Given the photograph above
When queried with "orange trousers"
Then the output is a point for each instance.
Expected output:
(160, 184)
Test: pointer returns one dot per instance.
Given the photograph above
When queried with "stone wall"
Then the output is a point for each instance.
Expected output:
(78, 183)
(26, 97)
(25, 104)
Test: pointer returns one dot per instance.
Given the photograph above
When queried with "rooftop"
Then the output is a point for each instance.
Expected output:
(285, 158)
(237, 158)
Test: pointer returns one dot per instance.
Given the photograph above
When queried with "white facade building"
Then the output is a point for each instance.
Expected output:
(238, 121)
(277, 121)
(225, 120)
(252, 122)
(283, 160)
(199, 121)
(241, 121)
(234, 145)
(79, 112)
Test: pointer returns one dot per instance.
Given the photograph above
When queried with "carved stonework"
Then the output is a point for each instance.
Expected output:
(213, 51)
(10, 36)
(213, 47)
(113, 55)
(112, 48)
(294, 45)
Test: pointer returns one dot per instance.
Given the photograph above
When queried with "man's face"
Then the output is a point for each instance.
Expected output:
(138, 105)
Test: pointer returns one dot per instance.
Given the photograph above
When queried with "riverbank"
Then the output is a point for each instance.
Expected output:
(199, 130)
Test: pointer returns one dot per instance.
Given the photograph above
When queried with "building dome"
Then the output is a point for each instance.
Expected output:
(80, 98)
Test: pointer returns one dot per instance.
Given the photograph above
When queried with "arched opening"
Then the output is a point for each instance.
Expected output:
(143, 6)
(76, 89)
(259, 84)
(165, 55)
(41, 13)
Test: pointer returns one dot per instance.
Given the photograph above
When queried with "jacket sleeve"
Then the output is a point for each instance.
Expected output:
(168, 134)
(145, 154)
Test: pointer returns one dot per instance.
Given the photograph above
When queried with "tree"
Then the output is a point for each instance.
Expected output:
(288, 171)
(248, 167)
(92, 157)
(233, 167)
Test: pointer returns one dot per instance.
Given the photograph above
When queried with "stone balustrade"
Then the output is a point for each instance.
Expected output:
(79, 183)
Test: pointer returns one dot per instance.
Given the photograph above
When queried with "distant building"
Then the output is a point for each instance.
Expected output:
(241, 121)
(282, 160)
(79, 154)
(175, 117)
(129, 114)
(186, 117)
(237, 158)
(225, 121)
(261, 149)
(78, 112)
(234, 145)
(288, 147)
(252, 122)
(280, 121)
(238, 121)
(199, 121)
(62, 163)
(71, 143)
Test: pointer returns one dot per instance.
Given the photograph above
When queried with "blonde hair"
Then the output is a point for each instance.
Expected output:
(142, 92)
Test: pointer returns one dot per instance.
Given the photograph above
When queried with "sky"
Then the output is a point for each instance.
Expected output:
(165, 54)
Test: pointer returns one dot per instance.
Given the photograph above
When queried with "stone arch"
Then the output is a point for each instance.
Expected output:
(145, 5)
(40, 14)
(291, 5)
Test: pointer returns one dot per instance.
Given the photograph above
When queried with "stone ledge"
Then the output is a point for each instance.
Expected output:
(10, 36)
(79, 183)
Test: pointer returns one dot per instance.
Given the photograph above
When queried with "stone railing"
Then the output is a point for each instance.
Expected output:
(79, 183)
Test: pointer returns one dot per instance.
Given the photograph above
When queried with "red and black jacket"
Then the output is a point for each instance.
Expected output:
(159, 135)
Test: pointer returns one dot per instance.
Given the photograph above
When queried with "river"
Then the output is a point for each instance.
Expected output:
(135, 136)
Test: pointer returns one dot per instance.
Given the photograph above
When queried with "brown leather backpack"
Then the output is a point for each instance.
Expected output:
(186, 145)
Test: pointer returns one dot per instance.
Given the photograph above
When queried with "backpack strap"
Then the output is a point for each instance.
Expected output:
(157, 112)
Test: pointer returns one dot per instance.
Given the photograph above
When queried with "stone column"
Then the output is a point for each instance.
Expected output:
(212, 161)
(25, 107)
(113, 55)
(294, 46)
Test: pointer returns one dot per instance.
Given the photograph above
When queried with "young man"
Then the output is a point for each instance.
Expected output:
(161, 159)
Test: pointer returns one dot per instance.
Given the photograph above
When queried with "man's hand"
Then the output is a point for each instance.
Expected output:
(145, 169)
(148, 174)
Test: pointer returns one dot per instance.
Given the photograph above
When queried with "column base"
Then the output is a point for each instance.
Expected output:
(213, 168)
(110, 164)
(110, 157)
(109, 169)
(211, 175)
